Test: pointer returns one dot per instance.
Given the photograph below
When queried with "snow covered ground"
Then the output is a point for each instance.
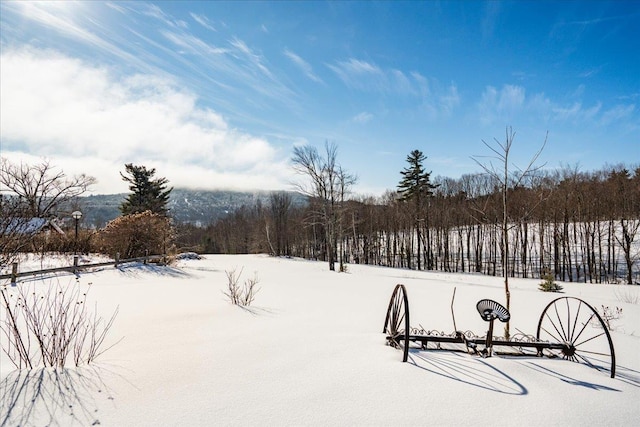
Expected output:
(310, 351)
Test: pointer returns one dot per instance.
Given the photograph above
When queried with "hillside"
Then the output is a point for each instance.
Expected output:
(199, 207)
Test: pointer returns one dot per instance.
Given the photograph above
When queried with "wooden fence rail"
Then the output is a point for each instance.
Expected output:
(78, 267)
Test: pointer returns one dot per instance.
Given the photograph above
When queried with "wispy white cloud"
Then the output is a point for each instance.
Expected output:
(491, 11)
(449, 100)
(116, 7)
(156, 12)
(355, 66)
(64, 21)
(358, 74)
(86, 112)
(367, 76)
(231, 67)
(303, 65)
(203, 20)
(192, 44)
(254, 58)
(523, 75)
(234, 66)
(511, 97)
(431, 97)
(631, 96)
(362, 117)
(541, 106)
(511, 103)
(422, 83)
(401, 83)
(500, 105)
(590, 72)
(576, 112)
(441, 102)
(595, 21)
(618, 112)
(59, 21)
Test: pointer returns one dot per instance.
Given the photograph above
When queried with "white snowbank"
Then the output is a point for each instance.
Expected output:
(310, 351)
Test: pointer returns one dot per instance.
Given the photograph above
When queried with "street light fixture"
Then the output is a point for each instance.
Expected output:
(76, 216)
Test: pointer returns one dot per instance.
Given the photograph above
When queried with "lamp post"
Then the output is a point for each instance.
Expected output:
(76, 216)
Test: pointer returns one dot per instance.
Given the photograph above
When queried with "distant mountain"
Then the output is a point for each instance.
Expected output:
(198, 207)
(100, 209)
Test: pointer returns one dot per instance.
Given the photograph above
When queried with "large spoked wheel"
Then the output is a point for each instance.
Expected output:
(396, 324)
(580, 330)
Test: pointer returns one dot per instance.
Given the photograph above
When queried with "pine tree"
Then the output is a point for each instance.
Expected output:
(415, 186)
(148, 194)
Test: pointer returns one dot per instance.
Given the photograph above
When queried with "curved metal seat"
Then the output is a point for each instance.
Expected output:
(490, 310)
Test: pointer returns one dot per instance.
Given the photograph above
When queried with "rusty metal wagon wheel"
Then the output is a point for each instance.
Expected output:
(396, 323)
(583, 335)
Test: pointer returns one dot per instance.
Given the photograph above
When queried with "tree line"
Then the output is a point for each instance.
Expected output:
(574, 225)
(36, 196)
(578, 226)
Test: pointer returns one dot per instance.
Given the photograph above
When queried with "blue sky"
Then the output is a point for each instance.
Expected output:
(217, 94)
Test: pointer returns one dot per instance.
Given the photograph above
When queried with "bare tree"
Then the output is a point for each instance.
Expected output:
(42, 188)
(344, 184)
(507, 179)
(327, 187)
(15, 232)
(279, 212)
(629, 229)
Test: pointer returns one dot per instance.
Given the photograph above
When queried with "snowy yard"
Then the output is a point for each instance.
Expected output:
(310, 351)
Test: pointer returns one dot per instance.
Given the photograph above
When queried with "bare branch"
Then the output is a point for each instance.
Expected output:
(43, 189)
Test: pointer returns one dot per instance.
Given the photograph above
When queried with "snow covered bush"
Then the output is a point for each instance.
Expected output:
(241, 295)
(48, 324)
(188, 256)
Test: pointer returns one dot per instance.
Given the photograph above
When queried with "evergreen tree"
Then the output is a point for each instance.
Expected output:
(415, 186)
(148, 194)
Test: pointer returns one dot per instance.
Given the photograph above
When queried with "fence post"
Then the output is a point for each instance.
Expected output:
(75, 264)
(117, 259)
(14, 273)
(146, 256)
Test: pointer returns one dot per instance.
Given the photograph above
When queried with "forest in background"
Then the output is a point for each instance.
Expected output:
(564, 223)
(579, 226)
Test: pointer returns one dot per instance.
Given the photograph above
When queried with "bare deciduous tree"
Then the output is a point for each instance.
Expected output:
(279, 210)
(507, 179)
(14, 231)
(328, 185)
(629, 229)
(42, 187)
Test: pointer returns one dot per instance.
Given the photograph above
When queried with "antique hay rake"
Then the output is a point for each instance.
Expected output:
(569, 328)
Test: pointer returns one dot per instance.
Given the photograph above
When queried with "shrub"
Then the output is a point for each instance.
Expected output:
(628, 294)
(241, 295)
(133, 235)
(48, 326)
(549, 284)
(65, 243)
(609, 315)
